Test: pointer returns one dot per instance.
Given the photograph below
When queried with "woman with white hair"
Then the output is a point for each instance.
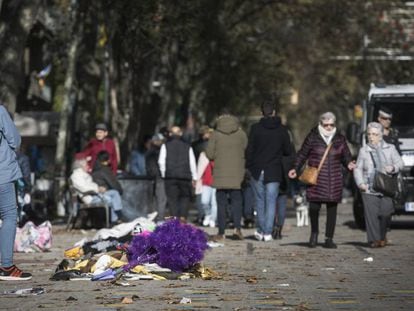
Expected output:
(328, 189)
(91, 192)
(376, 155)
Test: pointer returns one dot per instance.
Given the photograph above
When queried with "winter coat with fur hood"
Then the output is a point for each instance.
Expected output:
(226, 147)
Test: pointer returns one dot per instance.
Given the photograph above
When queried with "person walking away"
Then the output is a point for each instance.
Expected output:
(268, 142)
(100, 142)
(199, 146)
(83, 183)
(103, 175)
(137, 163)
(376, 155)
(249, 202)
(153, 171)
(285, 190)
(328, 189)
(9, 173)
(178, 168)
(226, 148)
(208, 193)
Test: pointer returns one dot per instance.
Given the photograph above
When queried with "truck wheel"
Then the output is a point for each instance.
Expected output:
(358, 208)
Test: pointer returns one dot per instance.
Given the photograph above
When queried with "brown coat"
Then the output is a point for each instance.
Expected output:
(226, 148)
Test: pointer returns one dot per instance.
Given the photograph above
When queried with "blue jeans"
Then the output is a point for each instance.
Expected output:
(209, 202)
(113, 199)
(266, 195)
(8, 214)
(281, 209)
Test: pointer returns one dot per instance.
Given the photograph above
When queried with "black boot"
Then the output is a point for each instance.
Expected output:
(329, 243)
(277, 233)
(313, 241)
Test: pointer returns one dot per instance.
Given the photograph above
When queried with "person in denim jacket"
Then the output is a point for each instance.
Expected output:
(9, 172)
(377, 207)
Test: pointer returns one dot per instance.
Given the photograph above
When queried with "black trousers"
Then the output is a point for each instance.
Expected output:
(224, 198)
(178, 196)
(331, 207)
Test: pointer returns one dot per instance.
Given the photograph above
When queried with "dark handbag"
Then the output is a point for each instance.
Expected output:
(384, 183)
(310, 174)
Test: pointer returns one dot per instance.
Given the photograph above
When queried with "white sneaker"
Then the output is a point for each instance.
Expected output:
(267, 238)
(212, 224)
(206, 221)
(258, 236)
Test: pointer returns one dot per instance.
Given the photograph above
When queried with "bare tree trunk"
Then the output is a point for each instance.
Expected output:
(67, 105)
(15, 26)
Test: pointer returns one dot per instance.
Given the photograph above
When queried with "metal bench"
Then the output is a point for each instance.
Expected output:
(77, 205)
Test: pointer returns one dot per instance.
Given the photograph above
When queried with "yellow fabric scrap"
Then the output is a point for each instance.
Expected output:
(81, 264)
(115, 263)
(74, 252)
(141, 270)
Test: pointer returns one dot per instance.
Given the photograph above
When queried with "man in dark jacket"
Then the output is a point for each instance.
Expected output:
(178, 168)
(102, 173)
(153, 171)
(390, 134)
(268, 142)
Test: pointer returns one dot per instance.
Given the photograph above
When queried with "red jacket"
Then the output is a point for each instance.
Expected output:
(207, 178)
(95, 146)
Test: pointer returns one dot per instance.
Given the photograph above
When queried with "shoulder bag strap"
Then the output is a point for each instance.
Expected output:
(373, 161)
(324, 156)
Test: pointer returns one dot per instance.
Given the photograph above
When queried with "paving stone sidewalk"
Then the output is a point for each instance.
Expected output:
(277, 275)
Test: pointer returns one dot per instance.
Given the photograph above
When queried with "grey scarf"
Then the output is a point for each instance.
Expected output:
(379, 159)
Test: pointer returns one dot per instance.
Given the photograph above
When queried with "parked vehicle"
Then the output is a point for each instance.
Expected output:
(400, 100)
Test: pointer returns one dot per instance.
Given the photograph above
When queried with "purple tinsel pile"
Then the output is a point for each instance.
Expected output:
(172, 245)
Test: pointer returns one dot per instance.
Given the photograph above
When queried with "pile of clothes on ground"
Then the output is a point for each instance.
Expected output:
(138, 250)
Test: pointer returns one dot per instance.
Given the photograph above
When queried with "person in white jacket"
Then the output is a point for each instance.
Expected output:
(91, 193)
(205, 189)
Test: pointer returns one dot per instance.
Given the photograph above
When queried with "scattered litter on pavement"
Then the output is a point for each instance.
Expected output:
(185, 300)
(136, 277)
(252, 280)
(264, 270)
(71, 298)
(127, 300)
(213, 244)
(25, 291)
(283, 285)
(369, 259)
(328, 269)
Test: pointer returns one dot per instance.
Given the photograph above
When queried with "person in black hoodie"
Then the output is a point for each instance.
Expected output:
(268, 142)
(102, 173)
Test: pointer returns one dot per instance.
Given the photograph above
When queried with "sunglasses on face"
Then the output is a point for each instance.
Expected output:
(385, 118)
(328, 125)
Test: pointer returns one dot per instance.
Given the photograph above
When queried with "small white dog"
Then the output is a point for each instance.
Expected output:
(302, 208)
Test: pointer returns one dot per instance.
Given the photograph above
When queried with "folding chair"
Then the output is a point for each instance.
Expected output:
(77, 205)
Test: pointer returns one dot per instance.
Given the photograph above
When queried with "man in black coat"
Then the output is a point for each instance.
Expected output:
(268, 142)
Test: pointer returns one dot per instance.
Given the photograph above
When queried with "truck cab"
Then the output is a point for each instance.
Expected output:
(400, 100)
